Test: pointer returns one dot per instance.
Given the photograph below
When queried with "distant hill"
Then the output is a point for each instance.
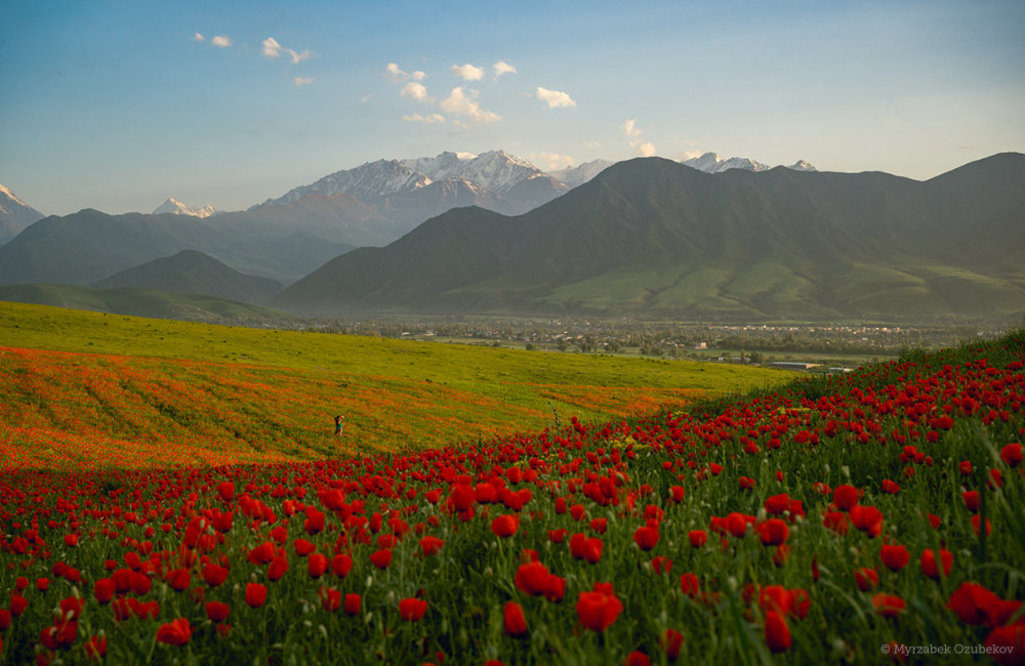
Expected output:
(88, 246)
(193, 272)
(656, 237)
(15, 215)
(145, 303)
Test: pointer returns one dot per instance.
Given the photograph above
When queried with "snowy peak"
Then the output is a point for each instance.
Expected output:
(578, 175)
(175, 207)
(801, 165)
(15, 215)
(716, 163)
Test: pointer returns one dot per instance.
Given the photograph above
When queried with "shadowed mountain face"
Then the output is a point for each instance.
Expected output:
(656, 237)
(193, 272)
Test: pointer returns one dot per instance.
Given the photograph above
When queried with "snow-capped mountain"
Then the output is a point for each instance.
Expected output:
(578, 175)
(15, 215)
(418, 188)
(175, 207)
(716, 163)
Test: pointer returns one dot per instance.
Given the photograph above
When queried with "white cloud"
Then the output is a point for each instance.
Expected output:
(646, 149)
(198, 37)
(552, 161)
(689, 155)
(398, 76)
(415, 90)
(272, 49)
(365, 98)
(468, 72)
(301, 81)
(221, 40)
(417, 118)
(630, 128)
(554, 98)
(502, 67)
(464, 104)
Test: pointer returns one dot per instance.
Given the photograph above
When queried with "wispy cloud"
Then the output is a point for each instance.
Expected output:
(398, 76)
(302, 81)
(198, 37)
(272, 49)
(633, 134)
(468, 72)
(552, 161)
(465, 104)
(417, 118)
(222, 41)
(554, 98)
(502, 67)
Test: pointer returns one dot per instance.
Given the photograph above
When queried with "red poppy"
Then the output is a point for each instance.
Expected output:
(412, 609)
(888, 605)
(214, 574)
(646, 537)
(845, 497)
(175, 632)
(512, 617)
(689, 585)
(599, 608)
(894, 557)
(532, 578)
(773, 532)
(973, 603)
(341, 564)
(430, 545)
(866, 579)
(103, 590)
(697, 538)
(95, 647)
(777, 633)
(256, 594)
(179, 579)
(637, 658)
(1007, 644)
(672, 643)
(505, 525)
(1012, 454)
(277, 569)
(303, 547)
(317, 564)
(217, 611)
(330, 598)
(352, 603)
(381, 558)
(868, 519)
(931, 568)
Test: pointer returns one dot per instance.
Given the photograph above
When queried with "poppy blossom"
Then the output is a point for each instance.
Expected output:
(430, 545)
(412, 609)
(214, 575)
(103, 590)
(513, 620)
(1012, 454)
(646, 537)
(256, 594)
(973, 603)
(697, 538)
(176, 632)
(598, 608)
(316, 565)
(866, 579)
(672, 643)
(95, 648)
(217, 611)
(773, 532)
(352, 603)
(777, 633)
(888, 605)
(381, 558)
(1007, 644)
(895, 557)
(505, 525)
(845, 497)
(931, 568)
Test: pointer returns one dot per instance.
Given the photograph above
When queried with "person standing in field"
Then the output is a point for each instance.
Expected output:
(338, 425)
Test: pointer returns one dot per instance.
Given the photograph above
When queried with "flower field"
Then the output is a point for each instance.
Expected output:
(873, 517)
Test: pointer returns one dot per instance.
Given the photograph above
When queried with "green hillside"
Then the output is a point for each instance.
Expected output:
(100, 389)
(152, 303)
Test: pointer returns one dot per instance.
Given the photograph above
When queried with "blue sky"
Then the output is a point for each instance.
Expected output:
(119, 105)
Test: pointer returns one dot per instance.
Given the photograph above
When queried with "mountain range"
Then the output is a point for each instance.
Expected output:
(657, 237)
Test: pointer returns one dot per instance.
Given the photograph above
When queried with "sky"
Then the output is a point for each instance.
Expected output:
(120, 105)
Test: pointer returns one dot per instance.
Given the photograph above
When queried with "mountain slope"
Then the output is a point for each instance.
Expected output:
(193, 272)
(88, 246)
(15, 215)
(657, 237)
(176, 207)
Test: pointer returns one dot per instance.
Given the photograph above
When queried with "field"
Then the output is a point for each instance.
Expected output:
(866, 518)
(99, 390)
